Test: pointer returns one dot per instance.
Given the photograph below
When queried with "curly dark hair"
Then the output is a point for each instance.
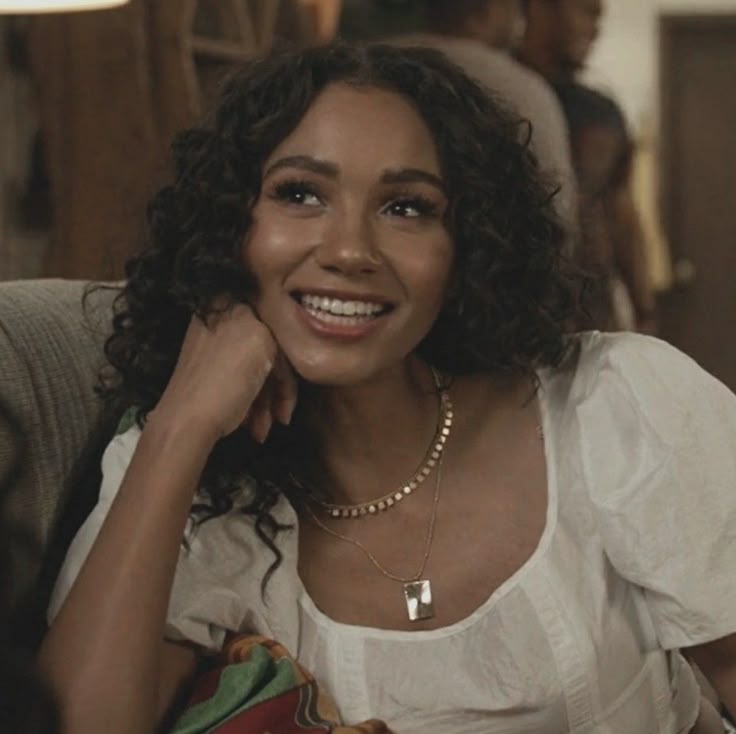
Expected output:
(513, 294)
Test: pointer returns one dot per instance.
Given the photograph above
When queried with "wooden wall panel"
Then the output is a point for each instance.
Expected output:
(699, 187)
(101, 144)
(114, 86)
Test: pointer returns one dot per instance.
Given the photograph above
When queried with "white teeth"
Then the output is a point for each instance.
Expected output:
(340, 308)
(331, 318)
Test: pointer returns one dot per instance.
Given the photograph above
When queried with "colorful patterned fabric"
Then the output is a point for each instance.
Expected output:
(256, 687)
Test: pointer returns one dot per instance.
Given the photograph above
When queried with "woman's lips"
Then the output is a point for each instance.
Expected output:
(341, 318)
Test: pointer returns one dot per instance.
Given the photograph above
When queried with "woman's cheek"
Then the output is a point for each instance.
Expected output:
(285, 242)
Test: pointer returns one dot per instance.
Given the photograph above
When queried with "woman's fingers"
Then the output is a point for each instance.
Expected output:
(285, 390)
(220, 373)
(259, 419)
(230, 372)
(275, 402)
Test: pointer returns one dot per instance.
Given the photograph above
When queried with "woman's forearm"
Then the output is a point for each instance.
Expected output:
(105, 656)
(102, 655)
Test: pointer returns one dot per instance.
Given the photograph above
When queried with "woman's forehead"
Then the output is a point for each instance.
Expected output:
(350, 124)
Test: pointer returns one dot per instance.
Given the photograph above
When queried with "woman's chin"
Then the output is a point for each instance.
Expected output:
(337, 373)
(331, 377)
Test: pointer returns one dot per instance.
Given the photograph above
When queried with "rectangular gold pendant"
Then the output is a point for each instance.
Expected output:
(418, 595)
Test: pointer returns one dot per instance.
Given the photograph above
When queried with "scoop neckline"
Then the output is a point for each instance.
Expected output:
(512, 582)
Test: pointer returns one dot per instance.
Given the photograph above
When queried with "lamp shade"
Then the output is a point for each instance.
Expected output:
(21, 7)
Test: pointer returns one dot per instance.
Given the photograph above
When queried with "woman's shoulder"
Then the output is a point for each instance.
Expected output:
(640, 408)
(644, 367)
(627, 351)
(622, 385)
(652, 440)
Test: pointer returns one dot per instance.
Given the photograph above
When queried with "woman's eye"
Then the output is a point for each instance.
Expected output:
(411, 208)
(296, 192)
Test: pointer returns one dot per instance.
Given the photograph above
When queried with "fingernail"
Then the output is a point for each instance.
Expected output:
(284, 412)
(266, 429)
(260, 428)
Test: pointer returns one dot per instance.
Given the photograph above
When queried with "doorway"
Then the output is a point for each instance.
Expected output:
(698, 167)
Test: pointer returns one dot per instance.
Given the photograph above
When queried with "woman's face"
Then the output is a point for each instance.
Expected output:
(348, 242)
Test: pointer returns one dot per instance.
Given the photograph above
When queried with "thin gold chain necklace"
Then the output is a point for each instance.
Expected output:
(417, 591)
(431, 458)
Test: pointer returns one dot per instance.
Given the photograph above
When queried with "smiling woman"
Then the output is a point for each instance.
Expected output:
(351, 229)
(347, 384)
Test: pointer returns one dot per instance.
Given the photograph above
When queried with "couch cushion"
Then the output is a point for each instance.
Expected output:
(50, 354)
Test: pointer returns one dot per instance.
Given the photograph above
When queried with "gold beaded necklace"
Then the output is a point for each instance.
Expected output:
(431, 458)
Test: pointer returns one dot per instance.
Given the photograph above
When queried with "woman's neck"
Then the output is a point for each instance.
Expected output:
(374, 435)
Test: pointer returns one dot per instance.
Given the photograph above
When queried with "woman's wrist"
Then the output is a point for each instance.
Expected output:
(195, 435)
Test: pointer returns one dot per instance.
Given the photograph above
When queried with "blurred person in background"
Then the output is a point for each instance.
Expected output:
(477, 35)
(370, 20)
(558, 38)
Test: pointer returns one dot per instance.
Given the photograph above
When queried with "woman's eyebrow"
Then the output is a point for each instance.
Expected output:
(330, 170)
(306, 163)
(412, 175)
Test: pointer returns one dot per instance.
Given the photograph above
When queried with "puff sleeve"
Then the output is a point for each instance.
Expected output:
(115, 462)
(658, 437)
(216, 586)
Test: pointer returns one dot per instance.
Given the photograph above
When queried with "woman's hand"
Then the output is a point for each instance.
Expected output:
(229, 372)
(275, 401)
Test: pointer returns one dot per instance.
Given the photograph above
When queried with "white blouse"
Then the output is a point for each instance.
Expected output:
(636, 560)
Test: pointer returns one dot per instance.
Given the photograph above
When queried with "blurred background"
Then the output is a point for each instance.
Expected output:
(89, 101)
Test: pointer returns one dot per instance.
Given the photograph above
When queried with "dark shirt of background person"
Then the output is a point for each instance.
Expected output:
(362, 20)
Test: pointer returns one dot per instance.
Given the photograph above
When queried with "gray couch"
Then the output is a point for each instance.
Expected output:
(50, 354)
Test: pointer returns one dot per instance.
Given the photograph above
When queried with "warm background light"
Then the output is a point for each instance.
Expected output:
(55, 6)
(325, 17)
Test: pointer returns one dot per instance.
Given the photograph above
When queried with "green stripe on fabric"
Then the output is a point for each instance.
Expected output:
(127, 421)
(240, 687)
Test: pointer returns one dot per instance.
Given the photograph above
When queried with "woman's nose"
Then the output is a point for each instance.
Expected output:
(349, 247)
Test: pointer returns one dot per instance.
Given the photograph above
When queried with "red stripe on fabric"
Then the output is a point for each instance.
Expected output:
(275, 715)
(205, 687)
